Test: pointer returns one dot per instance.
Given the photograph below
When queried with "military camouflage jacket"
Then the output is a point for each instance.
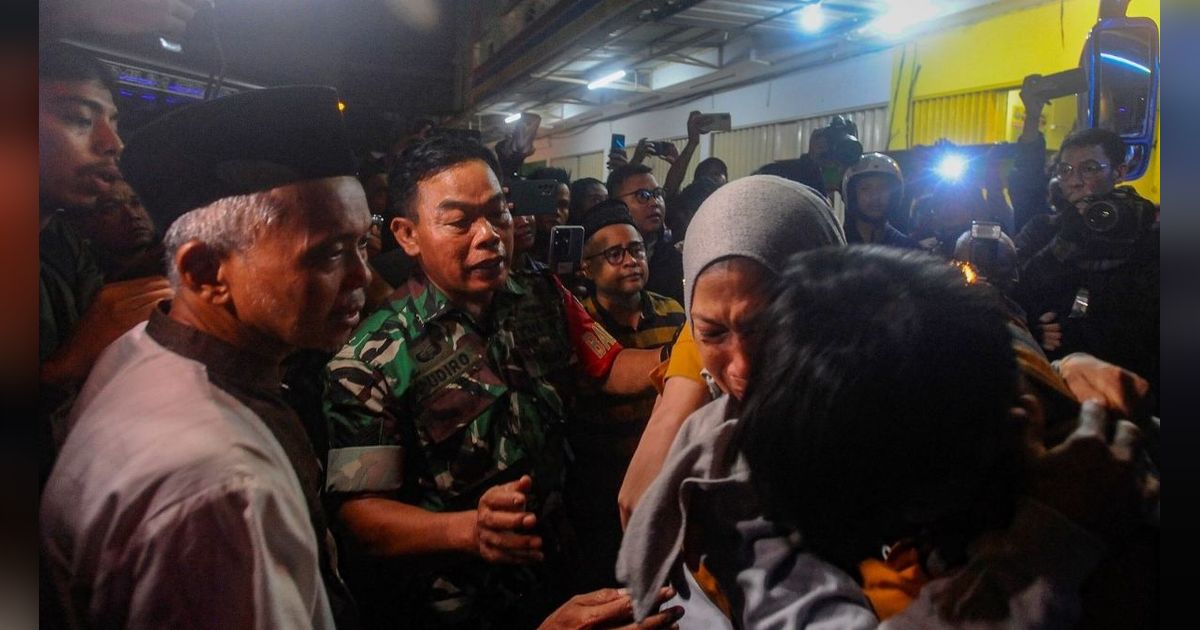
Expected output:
(432, 407)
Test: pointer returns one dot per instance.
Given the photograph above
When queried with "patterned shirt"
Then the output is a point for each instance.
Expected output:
(433, 407)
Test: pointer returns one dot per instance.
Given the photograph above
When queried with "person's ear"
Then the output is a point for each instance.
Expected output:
(405, 231)
(203, 271)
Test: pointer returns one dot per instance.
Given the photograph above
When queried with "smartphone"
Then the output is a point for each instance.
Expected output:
(618, 142)
(662, 147)
(566, 248)
(533, 196)
(720, 122)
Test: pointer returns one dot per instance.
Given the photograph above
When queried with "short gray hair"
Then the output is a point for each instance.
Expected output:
(227, 225)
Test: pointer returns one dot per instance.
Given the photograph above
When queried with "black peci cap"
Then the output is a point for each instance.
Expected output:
(236, 145)
(606, 213)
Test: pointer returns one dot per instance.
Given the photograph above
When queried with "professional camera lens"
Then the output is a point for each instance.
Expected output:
(1101, 216)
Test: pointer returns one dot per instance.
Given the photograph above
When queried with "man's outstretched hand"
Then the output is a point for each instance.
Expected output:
(612, 609)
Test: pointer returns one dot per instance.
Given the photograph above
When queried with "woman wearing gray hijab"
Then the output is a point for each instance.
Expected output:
(739, 238)
(738, 242)
(701, 514)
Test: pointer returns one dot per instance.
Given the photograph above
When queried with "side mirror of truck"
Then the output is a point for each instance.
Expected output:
(1120, 61)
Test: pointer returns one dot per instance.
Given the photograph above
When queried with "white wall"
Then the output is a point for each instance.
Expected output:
(848, 84)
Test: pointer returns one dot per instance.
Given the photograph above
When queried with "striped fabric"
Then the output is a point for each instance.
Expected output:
(661, 319)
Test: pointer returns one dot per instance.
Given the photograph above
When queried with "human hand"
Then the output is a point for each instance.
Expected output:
(117, 307)
(1119, 389)
(697, 124)
(609, 608)
(1051, 331)
(507, 193)
(617, 159)
(1090, 479)
(127, 17)
(1033, 101)
(501, 522)
(643, 149)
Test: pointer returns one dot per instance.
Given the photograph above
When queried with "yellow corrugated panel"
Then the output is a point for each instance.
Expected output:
(973, 118)
(591, 165)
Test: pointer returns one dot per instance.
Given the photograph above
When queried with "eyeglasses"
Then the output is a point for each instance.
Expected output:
(644, 196)
(1088, 168)
(615, 255)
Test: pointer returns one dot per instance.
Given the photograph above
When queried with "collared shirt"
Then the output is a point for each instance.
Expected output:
(660, 321)
(435, 407)
(175, 501)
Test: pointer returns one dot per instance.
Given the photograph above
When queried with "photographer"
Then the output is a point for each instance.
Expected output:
(831, 150)
(1094, 287)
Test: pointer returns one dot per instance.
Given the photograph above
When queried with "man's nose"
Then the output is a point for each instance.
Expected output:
(486, 234)
(105, 140)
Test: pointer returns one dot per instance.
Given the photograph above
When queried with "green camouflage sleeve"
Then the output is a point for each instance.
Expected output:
(363, 385)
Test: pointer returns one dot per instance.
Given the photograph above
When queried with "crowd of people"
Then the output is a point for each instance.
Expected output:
(285, 386)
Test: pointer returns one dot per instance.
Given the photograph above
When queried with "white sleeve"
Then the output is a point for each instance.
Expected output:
(240, 555)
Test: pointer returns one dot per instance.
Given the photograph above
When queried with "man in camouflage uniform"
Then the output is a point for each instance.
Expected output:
(447, 408)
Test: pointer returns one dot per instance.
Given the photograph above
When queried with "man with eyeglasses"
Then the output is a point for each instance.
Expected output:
(635, 185)
(608, 427)
(1090, 284)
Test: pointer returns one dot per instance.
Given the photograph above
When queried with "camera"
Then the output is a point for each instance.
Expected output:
(990, 252)
(842, 136)
(1119, 216)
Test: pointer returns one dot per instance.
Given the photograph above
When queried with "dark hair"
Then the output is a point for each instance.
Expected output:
(424, 159)
(579, 188)
(1110, 142)
(887, 391)
(712, 167)
(63, 62)
(559, 175)
(622, 173)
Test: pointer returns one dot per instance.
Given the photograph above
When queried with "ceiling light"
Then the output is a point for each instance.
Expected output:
(606, 79)
(899, 17)
(513, 118)
(812, 18)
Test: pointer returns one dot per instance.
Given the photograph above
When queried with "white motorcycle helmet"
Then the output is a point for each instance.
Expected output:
(872, 163)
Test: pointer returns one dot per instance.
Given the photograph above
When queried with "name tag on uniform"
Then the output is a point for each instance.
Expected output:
(452, 383)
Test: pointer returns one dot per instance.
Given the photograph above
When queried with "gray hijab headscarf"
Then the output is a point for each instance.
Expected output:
(762, 217)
